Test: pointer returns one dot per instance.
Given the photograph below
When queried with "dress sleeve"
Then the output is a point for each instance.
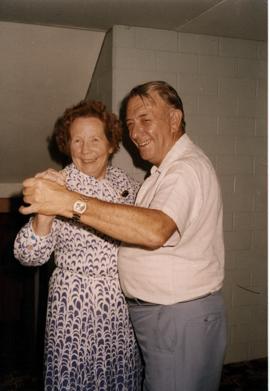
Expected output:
(34, 250)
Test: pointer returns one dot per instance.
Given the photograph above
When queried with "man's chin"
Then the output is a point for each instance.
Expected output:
(144, 154)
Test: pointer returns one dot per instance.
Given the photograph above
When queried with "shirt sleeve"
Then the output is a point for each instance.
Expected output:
(34, 250)
(179, 196)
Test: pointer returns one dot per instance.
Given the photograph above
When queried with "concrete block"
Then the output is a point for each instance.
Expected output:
(238, 202)
(227, 184)
(190, 103)
(245, 184)
(260, 220)
(253, 69)
(233, 165)
(217, 145)
(239, 48)
(262, 89)
(201, 44)
(251, 146)
(260, 127)
(260, 239)
(243, 221)
(198, 85)
(240, 240)
(237, 126)
(152, 39)
(126, 58)
(262, 50)
(228, 221)
(176, 62)
(245, 295)
(201, 124)
(124, 36)
(217, 66)
(221, 106)
(256, 108)
(240, 333)
(261, 201)
(238, 87)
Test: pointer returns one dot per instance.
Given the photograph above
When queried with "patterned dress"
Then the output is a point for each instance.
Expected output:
(89, 343)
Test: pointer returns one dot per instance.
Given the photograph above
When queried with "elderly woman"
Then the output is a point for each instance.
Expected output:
(89, 342)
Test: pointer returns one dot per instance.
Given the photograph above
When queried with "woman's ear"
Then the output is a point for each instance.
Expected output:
(176, 118)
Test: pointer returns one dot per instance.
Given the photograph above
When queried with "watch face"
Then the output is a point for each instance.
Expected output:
(79, 207)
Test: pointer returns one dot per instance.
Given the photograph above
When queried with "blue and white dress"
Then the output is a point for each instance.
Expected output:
(90, 343)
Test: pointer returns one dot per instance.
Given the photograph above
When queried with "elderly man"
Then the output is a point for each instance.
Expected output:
(171, 262)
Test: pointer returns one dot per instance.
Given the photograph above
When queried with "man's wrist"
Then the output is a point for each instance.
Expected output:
(79, 207)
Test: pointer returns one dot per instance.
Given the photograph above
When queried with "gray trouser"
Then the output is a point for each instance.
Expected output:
(183, 344)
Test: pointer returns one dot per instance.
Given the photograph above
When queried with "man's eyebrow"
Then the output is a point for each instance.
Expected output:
(139, 116)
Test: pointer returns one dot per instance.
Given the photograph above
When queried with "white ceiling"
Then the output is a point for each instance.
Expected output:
(244, 19)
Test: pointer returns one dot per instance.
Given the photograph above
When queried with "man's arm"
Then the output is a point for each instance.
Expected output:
(149, 228)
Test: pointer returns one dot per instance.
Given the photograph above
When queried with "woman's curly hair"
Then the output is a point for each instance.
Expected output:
(87, 109)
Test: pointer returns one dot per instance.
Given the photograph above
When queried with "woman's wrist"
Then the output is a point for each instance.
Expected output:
(42, 224)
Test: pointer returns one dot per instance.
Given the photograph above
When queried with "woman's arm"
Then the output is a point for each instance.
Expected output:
(32, 249)
(42, 224)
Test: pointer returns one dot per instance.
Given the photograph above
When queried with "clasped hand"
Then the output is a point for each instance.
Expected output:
(44, 193)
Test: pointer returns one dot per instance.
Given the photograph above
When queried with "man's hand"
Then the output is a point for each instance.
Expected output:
(52, 175)
(45, 196)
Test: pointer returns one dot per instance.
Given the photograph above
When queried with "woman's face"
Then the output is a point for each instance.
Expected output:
(89, 148)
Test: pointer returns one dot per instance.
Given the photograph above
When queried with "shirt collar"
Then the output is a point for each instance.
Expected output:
(173, 154)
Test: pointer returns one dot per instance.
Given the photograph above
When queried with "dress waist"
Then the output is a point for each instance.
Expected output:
(81, 273)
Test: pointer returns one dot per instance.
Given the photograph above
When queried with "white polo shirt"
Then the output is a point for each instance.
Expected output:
(191, 263)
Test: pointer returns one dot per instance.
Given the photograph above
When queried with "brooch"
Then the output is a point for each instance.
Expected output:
(125, 193)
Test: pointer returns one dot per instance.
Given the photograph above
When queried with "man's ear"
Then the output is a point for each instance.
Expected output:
(175, 118)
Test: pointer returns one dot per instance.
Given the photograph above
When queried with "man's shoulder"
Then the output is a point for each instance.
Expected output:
(190, 160)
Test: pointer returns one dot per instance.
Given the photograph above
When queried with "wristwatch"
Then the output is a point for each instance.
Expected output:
(79, 207)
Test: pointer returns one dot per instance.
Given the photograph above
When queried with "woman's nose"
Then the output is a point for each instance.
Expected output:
(86, 146)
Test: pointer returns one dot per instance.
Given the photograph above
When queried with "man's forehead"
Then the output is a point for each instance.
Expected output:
(145, 102)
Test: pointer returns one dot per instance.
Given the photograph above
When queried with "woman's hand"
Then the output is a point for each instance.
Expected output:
(41, 223)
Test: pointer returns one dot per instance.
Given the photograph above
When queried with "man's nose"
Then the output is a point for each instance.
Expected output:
(136, 131)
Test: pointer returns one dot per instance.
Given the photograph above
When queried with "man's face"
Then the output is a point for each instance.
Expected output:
(151, 125)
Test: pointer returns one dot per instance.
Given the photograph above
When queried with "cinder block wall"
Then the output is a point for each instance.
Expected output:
(224, 89)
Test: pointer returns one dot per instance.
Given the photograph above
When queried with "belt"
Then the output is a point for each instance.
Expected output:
(139, 301)
(134, 300)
